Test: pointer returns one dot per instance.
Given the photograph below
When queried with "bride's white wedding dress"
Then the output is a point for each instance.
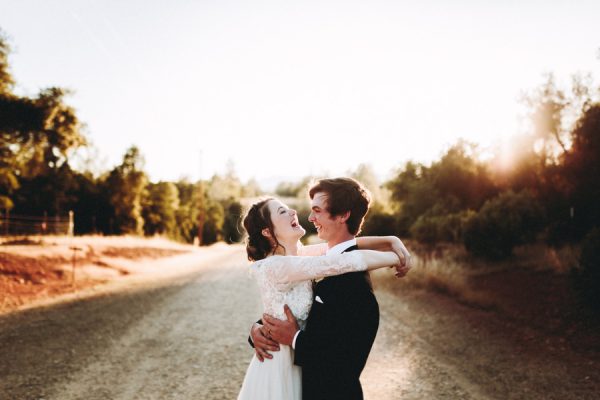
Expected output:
(288, 280)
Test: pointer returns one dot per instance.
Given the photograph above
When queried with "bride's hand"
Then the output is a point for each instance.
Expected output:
(405, 258)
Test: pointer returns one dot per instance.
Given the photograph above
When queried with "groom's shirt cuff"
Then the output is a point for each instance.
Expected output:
(294, 341)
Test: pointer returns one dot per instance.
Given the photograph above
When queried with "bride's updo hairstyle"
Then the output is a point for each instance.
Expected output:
(255, 221)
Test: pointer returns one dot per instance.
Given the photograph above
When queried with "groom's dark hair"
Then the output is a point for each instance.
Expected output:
(343, 195)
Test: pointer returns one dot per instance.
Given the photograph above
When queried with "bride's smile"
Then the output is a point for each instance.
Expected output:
(286, 226)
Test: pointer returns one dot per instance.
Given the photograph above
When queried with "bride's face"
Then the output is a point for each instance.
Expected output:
(285, 222)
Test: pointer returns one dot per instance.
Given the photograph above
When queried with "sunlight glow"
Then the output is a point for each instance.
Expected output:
(287, 90)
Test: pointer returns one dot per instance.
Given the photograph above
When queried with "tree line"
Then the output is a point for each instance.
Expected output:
(39, 136)
(548, 192)
(544, 189)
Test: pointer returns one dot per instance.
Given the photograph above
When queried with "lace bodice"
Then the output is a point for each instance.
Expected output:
(288, 280)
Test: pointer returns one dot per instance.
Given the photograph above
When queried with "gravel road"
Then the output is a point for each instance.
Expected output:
(184, 337)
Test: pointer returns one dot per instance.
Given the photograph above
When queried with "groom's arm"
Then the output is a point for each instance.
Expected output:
(250, 341)
(287, 332)
(284, 332)
(304, 347)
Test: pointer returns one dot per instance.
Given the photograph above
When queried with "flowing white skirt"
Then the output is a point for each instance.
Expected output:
(274, 379)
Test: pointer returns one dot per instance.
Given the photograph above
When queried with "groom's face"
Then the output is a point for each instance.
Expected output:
(327, 226)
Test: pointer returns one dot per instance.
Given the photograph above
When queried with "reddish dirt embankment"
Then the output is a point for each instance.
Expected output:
(34, 269)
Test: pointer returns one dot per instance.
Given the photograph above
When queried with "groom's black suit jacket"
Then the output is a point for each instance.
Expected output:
(333, 348)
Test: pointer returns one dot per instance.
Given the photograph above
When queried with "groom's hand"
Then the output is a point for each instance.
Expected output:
(282, 331)
(262, 343)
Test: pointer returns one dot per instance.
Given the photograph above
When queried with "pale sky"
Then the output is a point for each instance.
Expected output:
(291, 88)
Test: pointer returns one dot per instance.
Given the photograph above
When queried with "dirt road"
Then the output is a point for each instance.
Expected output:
(184, 337)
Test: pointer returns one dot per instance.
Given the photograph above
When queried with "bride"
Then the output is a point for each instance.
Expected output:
(284, 273)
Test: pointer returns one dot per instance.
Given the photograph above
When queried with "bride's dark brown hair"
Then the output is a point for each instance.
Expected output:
(255, 221)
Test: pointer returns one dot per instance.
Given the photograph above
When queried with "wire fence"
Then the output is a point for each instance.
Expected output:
(23, 225)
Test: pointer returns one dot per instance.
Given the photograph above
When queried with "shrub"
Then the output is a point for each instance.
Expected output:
(380, 223)
(232, 229)
(426, 229)
(440, 228)
(213, 225)
(506, 221)
(588, 279)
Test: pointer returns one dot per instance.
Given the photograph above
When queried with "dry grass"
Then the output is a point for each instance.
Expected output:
(540, 257)
(441, 271)
(449, 269)
(449, 276)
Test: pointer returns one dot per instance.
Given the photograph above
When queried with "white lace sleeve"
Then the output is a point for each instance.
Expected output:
(313, 249)
(285, 269)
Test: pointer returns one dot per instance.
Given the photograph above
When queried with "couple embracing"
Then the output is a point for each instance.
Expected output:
(320, 314)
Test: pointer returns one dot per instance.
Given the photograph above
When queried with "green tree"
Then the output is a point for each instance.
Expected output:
(506, 221)
(6, 79)
(287, 189)
(198, 211)
(587, 279)
(37, 134)
(413, 193)
(224, 187)
(461, 179)
(188, 210)
(213, 224)
(553, 112)
(53, 193)
(126, 185)
(159, 209)
(434, 228)
(232, 229)
(297, 189)
(251, 189)
(426, 195)
(548, 105)
(561, 157)
(581, 169)
(91, 207)
(379, 222)
(365, 174)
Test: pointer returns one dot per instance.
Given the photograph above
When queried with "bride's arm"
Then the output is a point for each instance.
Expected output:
(312, 249)
(381, 243)
(295, 268)
(379, 259)
(388, 243)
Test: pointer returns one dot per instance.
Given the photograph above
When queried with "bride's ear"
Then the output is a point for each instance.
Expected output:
(266, 233)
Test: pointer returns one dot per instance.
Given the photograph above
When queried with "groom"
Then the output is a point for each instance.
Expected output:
(341, 327)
